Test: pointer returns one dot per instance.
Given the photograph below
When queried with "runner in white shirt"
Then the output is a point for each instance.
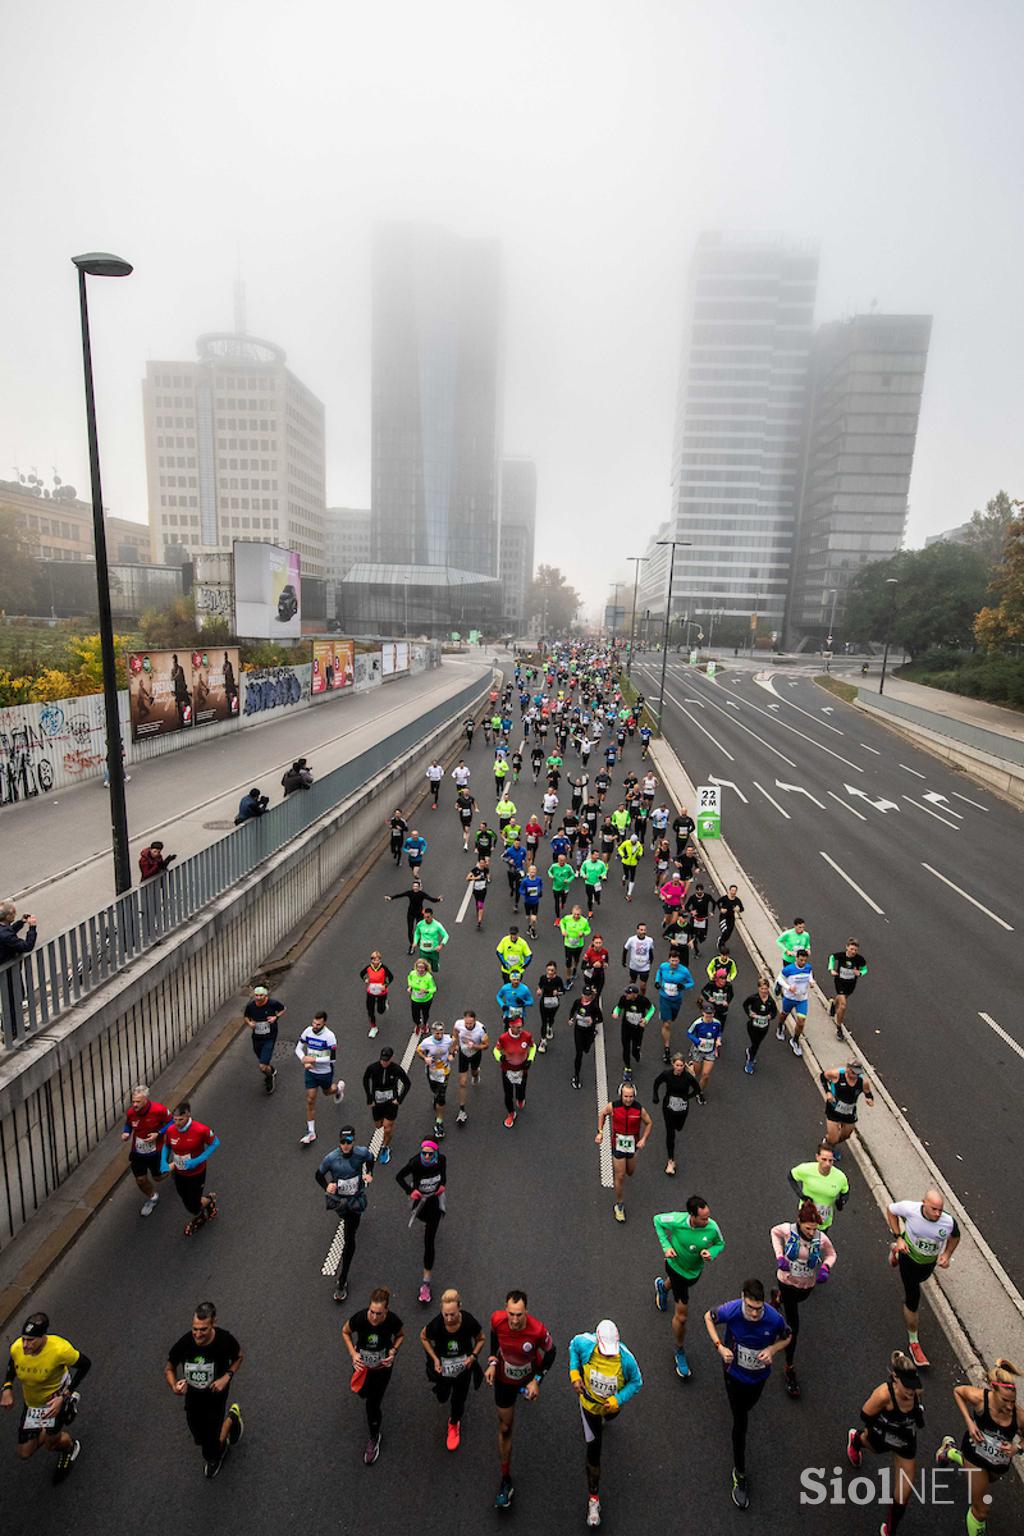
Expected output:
(648, 785)
(550, 807)
(317, 1049)
(436, 1051)
(637, 954)
(461, 775)
(434, 775)
(472, 1040)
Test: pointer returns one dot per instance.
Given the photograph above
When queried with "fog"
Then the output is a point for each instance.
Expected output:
(596, 140)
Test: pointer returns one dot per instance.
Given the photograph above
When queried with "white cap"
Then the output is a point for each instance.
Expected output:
(607, 1337)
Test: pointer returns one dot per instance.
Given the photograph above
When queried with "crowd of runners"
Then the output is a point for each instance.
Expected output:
(577, 806)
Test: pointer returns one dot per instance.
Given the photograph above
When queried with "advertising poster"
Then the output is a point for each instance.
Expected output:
(368, 669)
(395, 657)
(267, 591)
(215, 685)
(159, 693)
(334, 665)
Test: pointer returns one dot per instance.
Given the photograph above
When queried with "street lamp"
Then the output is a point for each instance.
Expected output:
(892, 582)
(831, 627)
(102, 264)
(638, 560)
(673, 544)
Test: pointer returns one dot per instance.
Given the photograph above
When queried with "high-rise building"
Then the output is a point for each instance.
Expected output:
(736, 458)
(867, 375)
(346, 541)
(59, 525)
(437, 400)
(515, 547)
(234, 450)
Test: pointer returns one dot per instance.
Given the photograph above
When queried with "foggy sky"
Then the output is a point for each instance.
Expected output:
(596, 140)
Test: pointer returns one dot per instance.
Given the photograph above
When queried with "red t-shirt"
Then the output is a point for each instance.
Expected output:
(195, 1138)
(145, 1125)
(514, 1049)
(519, 1350)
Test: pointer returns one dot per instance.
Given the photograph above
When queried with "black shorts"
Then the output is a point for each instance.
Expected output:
(638, 975)
(679, 1287)
(843, 988)
(470, 1063)
(531, 908)
(834, 1119)
(913, 1276)
(27, 1436)
(969, 1451)
(507, 1392)
(886, 1443)
(438, 1091)
(144, 1164)
(386, 1111)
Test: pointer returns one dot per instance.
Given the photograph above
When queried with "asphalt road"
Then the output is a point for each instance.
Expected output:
(527, 1208)
(842, 822)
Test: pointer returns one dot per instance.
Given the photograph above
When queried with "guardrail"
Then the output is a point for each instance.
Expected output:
(36, 989)
(1009, 748)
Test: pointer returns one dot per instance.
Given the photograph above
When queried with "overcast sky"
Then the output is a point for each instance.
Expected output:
(595, 139)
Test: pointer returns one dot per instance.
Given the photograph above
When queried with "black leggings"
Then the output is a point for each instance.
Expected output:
(431, 1216)
(743, 1396)
(350, 1225)
(205, 1413)
(420, 1014)
(455, 1389)
(756, 1037)
(372, 1393)
(913, 1276)
(675, 1122)
(375, 1006)
(595, 1423)
(583, 1040)
(515, 1093)
(792, 1297)
(560, 899)
(396, 851)
(632, 1040)
(410, 923)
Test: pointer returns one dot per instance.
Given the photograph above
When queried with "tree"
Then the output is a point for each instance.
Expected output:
(1002, 625)
(19, 569)
(553, 599)
(939, 593)
(986, 531)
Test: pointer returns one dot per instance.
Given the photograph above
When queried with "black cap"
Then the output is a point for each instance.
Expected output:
(347, 1133)
(387, 1052)
(36, 1326)
(909, 1379)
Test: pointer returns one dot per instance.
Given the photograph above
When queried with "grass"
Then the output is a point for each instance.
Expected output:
(841, 690)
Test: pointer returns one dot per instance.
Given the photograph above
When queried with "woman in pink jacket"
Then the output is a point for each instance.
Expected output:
(804, 1259)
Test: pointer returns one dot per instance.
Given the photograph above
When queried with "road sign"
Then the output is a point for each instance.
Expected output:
(710, 669)
(693, 658)
(709, 811)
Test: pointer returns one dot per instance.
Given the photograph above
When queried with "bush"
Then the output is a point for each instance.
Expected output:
(994, 678)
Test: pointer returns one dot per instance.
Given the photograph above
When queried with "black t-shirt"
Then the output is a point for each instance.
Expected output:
(698, 906)
(728, 906)
(584, 1015)
(199, 1365)
(683, 828)
(451, 1346)
(846, 968)
(635, 1010)
(264, 1016)
(591, 815)
(374, 1340)
(603, 780)
(550, 987)
(763, 1009)
(484, 842)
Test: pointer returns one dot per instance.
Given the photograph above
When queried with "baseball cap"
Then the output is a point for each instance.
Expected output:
(387, 1053)
(347, 1133)
(607, 1337)
(909, 1379)
(35, 1327)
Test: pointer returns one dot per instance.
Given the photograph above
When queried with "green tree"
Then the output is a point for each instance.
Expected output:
(552, 597)
(986, 531)
(1002, 624)
(939, 593)
(19, 569)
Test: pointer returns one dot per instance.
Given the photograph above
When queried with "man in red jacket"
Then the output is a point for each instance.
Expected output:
(145, 1123)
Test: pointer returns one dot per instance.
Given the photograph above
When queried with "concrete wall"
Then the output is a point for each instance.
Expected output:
(1000, 774)
(62, 1091)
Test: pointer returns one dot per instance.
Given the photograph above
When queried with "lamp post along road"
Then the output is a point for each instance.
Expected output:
(638, 561)
(892, 582)
(101, 264)
(674, 545)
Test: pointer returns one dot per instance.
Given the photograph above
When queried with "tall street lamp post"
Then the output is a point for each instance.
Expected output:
(892, 582)
(830, 637)
(673, 544)
(638, 561)
(101, 264)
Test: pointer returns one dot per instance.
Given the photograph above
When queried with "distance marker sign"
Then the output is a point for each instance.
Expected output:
(709, 811)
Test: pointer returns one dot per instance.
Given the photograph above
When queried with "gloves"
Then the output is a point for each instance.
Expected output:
(822, 1274)
(782, 1264)
(414, 1195)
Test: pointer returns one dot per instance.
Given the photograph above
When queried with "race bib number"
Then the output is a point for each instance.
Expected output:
(180, 1160)
(625, 1145)
(376, 988)
(928, 1247)
(516, 1372)
(372, 1357)
(841, 1110)
(427, 945)
(824, 1210)
(145, 1145)
(676, 1105)
(454, 1367)
(704, 1048)
(479, 885)
(261, 1029)
(601, 1386)
(670, 988)
(846, 973)
(199, 1373)
(382, 1096)
(347, 1187)
(747, 1358)
(320, 1055)
(437, 1074)
(515, 1077)
(800, 1269)
(38, 1418)
(549, 1002)
(991, 1447)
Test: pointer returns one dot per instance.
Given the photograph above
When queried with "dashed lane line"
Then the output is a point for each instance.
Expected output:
(852, 883)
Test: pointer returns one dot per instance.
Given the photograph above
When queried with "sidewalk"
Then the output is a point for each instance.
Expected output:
(954, 706)
(56, 849)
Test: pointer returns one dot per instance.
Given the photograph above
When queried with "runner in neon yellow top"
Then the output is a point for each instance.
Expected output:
(823, 1183)
(505, 809)
(604, 1376)
(575, 933)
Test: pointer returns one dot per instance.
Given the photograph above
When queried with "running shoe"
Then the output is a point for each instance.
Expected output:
(66, 1460)
(150, 1206)
(660, 1293)
(510, 1121)
(839, 1032)
(438, 1130)
(748, 1066)
(341, 1293)
(701, 1099)
(832, 1009)
(308, 1139)
(780, 1029)
(575, 1082)
(372, 1450)
(270, 1082)
(619, 1211)
(505, 1492)
(453, 1437)
(740, 1492)
(424, 1294)
(791, 1382)
(917, 1354)
(475, 1078)
(670, 1168)
(542, 1045)
(593, 1510)
(796, 1047)
(837, 1156)
(461, 1117)
(682, 1365)
(237, 1429)
(373, 1031)
(854, 1454)
(942, 1454)
(384, 1155)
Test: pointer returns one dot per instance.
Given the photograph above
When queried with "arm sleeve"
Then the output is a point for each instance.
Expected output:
(80, 1370)
(548, 1357)
(362, 973)
(299, 1049)
(366, 1080)
(716, 1247)
(9, 1375)
(205, 1154)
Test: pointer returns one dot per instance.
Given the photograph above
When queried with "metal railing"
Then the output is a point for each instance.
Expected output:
(1009, 749)
(37, 988)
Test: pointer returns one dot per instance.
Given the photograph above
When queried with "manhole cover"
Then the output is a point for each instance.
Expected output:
(217, 826)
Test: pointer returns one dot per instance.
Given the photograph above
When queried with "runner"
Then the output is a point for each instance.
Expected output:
(760, 1008)
(584, 1017)
(436, 1051)
(461, 774)
(434, 775)
(343, 1176)
(424, 1180)
(671, 890)
(550, 989)
(188, 1145)
(521, 1352)
(422, 988)
(415, 850)
(994, 1434)
(417, 898)
(754, 1334)
(261, 1014)
(689, 1239)
(793, 940)
(531, 889)
(892, 1416)
(561, 874)
(485, 842)
(705, 1036)
(377, 978)
(827, 1186)
(200, 1368)
(594, 871)
(50, 1370)
(469, 729)
(514, 996)
(631, 1126)
(513, 952)
(637, 954)
(594, 964)
(317, 1049)
(504, 810)
(718, 992)
(698, 906)
(729, 906)
(846, 967)
(373, 1338)
(680, 1087)
(843, 1087)
(514, 1053)
(722, 961)
(631, 851)
(634, 1013)
(452, 1342)
(795, 985)
(804, 1258)
(465, 810)
(604, 1376)
(684, 827)
(575, 933)
(430, 937)
(479, 878)
(385, 1084)
(532, 833)
(671, 980)
(144, 1126)
(514, 860)
(472, 1040)
(925, 1238)
(398, 828)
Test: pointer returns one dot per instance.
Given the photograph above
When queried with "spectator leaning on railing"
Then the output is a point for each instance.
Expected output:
(11, 942)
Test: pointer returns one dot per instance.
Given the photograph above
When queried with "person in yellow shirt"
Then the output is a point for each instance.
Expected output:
(630, 851)
(604, 1375)
(49, 1369)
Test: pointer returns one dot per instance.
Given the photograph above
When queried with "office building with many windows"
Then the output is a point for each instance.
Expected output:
(516, 540)
(346, 541)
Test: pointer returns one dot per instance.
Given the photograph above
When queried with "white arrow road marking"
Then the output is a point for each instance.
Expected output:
(776, 804)
(827, 709)
(698, 702)
(940, 800)
(810, 741)
(842, 872)
(728, 784)
(968, 801)
(1002, 1034)
(913, 771)
(879, 805)
(776, 707)
(766, 744)
(849, 807)
(798, 789)
(961, 892)
(732, 703)
(929, 812)
(873, 750)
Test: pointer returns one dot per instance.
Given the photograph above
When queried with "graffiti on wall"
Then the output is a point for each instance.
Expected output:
(46, 746)
(268, 688)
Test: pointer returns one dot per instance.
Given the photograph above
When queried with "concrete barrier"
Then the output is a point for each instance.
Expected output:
(998, 773)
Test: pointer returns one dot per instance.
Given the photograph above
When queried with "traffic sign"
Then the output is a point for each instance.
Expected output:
(709, 811)
(710, 669)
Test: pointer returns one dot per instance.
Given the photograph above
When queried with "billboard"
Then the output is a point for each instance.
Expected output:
(267, 591)
(215, 685)
(394, 657)
(334, 665)
(159, 692)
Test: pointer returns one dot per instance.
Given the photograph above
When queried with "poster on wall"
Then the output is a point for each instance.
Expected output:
(334, 665)
(215, 685)
(159, 693)
(267, 591)
(394, 657)
(368, 669)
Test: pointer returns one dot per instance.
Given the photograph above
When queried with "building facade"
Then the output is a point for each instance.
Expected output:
(867, 376)
(346, 541)
(737, 447)
(60, 525)
(234, 450)
(516, 538)
(437, 400)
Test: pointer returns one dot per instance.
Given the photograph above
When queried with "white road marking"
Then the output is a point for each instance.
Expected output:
(913, 771)
(935, 798)
(728, 784)
(605, 1149)
(1011, 1042)
(874, 750)
(776, 804)
(732, 704)
(929, 812)
(849, 807)
(332, 1258)
(769, 687)
(798, 789)
(968, 801)
(774, 706)
(842, 873)
(808, 740)
(879, 805)
(740, 726)
(694, 721)
(694, 701)
(961, 892)
(465, 902)
(827, 709)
